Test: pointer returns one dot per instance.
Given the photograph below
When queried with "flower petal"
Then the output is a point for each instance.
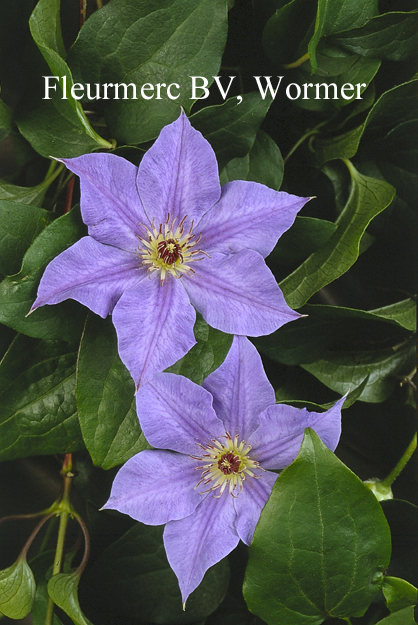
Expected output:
(91, 273)
(155, 487)
(177, 414)
(154, 324)
(110, 204)
(178, 175)
(249, 215)
(250, 502)
(238, 294)
(240, 388)
(201, 540)
(276, 443)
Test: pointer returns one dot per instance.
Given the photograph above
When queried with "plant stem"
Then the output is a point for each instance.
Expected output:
(64, 510)
(402, 462)
(300, 61)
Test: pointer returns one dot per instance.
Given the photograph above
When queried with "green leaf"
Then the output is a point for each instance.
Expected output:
(6, 120)
(106, 398)
(394, 108)
(325, 539)
(334, 70)
(207, 355)
(404, 313)
(368, 198)
(336, 17)
(231, 128)
(28, 195)
(333, 328)
(342, 371)
(263, 163)
(63, 590)
(19, 226)
(38, 414)
(52, 126)
(401, 314)
(403, 617)
(135, 567)
(17, 589)
(135, 42)
(41, 566)
(45, 27)
(18, 292)
(286, 29)
(306, 236)
(398, 593)
(392, 36)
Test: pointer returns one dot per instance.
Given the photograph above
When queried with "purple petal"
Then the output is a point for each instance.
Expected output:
(201, 540)
(238, 294)
(177, 414)
(276, 443)
(240, 388)
(249, 215)
(154, 324)
(155, 487)
(250, 502)
(91, 273)
(110, 204)
(178, 175)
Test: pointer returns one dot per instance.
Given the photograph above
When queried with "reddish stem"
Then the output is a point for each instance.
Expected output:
(69, 197)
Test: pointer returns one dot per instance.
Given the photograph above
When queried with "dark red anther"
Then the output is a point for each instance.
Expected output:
(229, 463)
(169, 251)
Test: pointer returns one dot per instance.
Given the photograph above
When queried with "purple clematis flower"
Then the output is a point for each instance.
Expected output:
(210, 477)
(163, 240)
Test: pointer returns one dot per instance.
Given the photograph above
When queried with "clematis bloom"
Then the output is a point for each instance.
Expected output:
(211, 474)
(164, 240)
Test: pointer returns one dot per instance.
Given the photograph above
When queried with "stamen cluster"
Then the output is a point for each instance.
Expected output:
(168, 249)
(226, 464)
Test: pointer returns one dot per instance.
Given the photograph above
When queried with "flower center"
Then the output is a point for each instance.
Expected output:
(168, 249)
(226, 464)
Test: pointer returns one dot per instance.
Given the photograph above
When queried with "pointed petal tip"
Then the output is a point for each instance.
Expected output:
(184, 606)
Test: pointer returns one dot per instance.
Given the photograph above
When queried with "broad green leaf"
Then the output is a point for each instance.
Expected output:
(368, 197)
(231, 128)
(394, 107)
(333, 327)
(38, 414)
(41, 565)
(324, 89)
(28, 195)
(106, 398)
(18, 292)
(63, 590)
(398, 593)
(45, 27)
(403, 617)
(17, 589)
(263, 163)
(52, 126)
(321, 545)
(336, 17)
(392, 36)
(19, 226)
(306, 236)
(148, 42)
(286, 29)
(6, 120)
(341, 371)
(207, 355)
(135, 567)
(402, 313)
